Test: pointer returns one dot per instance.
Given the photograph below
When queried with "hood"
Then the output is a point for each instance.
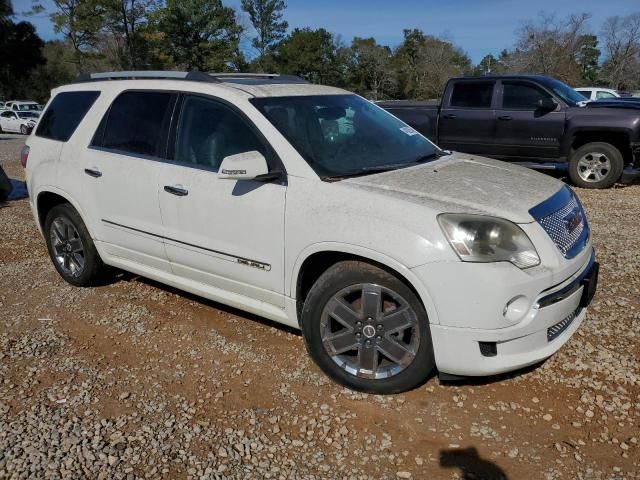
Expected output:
(465, 183)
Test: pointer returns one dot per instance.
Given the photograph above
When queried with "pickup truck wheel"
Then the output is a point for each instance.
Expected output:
(71, 248)
(596, 165)
(367, 330)
(23, 130)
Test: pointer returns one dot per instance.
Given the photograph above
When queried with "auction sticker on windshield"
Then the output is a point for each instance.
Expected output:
(409, 131)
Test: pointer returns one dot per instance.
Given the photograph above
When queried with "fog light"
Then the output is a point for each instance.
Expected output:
(516, 308)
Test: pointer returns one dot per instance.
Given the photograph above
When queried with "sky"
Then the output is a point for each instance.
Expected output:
(479, 27)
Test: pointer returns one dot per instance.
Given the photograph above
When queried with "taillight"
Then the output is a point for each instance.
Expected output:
(24, 155)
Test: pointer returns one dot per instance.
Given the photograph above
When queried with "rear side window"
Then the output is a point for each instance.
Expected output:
(472, 95)
(136, 123)
(64, 114)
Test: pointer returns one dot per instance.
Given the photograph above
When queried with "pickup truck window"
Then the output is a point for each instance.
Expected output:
(345, 135)
(562, 90)
(472, 95)
(521, 96)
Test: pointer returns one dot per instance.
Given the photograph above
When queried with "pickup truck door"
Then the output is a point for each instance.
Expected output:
(467, 117)
(523, 129)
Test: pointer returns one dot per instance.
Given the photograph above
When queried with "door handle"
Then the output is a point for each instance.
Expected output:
(93, 172)
(449, 116)
(179, 192)
(504, 117)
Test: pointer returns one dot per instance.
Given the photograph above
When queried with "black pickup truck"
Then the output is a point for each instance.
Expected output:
(533, 120)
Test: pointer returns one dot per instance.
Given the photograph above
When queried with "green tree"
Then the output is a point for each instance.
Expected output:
(59, 68)
(21, 51)
(489, 65)
(313, 55)
(424, 63)
(200, 34)
(266, 18)
(587, 59)
(370, 71)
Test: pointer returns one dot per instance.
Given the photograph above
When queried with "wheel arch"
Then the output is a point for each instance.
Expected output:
(50, 196)
(316, 259)
(619, 139)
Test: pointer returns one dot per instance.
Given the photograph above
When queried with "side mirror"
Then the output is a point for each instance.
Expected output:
(243, 166)
(547, 104)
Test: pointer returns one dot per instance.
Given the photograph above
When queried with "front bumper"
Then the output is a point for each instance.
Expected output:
(558, 314)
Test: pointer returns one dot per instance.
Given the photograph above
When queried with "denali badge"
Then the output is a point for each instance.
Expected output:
(234, 172)
(573, 219)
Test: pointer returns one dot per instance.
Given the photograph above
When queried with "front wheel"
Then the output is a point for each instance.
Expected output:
(23, 130)
(367, 330)
(71, 248)
(595, 165)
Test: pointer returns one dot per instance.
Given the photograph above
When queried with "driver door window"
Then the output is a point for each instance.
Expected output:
(208, 131)
(519, 96)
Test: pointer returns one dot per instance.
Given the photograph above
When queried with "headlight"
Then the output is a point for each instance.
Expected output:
(478, 238)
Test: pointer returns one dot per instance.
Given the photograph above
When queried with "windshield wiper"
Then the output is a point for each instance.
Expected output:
(386, 168)
(421, 159)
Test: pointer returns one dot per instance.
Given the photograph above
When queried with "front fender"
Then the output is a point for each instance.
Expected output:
(402, 270)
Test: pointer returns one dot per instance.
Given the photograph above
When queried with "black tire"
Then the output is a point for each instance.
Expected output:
(93, 268)
(596, 150)
(24, 130)
(343, 276)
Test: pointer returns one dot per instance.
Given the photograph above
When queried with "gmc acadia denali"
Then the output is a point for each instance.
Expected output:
(315, 208)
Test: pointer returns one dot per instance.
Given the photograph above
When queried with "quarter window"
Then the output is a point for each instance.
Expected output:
(472, 95)
(209, 131)
(64, 114)
(521, 96)
(136, 123)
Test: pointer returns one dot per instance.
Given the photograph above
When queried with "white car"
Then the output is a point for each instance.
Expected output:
(18, 122)
(597, 93)
(392, 256)
(23, 106)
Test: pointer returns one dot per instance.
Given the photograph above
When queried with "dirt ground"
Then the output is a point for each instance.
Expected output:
(136, 380)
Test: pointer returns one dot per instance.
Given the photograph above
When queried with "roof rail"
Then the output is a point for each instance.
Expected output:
(195, 76)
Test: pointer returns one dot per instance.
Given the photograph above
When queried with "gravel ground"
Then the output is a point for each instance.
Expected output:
(136, 380)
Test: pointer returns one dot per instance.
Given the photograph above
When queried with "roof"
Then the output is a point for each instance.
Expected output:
(506, 77)
(254, 84)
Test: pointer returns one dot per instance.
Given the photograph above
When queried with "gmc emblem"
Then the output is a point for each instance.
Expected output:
(573, 220)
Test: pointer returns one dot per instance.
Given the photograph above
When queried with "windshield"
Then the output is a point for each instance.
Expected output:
(343, 135)
(564, 91)
(28, 114)
(27, 107)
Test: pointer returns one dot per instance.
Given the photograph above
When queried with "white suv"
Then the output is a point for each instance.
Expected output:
(312, 207)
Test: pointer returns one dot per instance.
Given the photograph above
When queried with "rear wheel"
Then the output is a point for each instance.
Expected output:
(71, 248)
(23, 130)
(596, 165)
(367, 330)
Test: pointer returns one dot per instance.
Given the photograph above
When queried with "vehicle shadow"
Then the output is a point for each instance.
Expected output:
(488, 380)
(471, 465)
(128, 277)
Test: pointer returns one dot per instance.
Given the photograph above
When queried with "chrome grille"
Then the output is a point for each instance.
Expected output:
(554, 331)
(566, 226)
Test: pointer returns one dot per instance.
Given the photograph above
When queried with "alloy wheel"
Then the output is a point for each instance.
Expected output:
(67, 247)
(594, 167)
(370, 331)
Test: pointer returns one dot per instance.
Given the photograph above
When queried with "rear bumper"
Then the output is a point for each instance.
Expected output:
(480, 352)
